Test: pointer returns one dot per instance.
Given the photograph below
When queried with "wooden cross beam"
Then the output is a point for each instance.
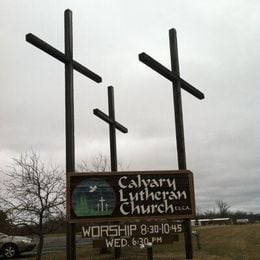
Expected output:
(170, 75)
(109, 120)
(113, 125)
(37, 42)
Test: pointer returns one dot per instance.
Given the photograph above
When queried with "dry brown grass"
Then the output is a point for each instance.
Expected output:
(234, 242)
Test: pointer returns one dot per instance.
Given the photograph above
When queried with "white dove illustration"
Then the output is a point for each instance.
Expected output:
(92, 189)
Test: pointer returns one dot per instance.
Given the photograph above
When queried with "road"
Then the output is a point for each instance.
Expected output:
(54, 243)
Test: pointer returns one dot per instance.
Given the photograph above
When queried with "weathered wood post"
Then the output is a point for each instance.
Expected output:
(70, 65)
(150, 251)
(177, 82)
(179, 129)
(113, 125)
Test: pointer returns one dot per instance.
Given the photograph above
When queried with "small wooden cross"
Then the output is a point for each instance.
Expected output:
(113, 125)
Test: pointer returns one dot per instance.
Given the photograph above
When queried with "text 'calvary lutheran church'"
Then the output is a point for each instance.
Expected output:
(130, 194)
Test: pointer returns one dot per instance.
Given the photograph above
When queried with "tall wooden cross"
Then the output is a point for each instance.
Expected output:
(113, 125)
(70, 65)
(177, 83)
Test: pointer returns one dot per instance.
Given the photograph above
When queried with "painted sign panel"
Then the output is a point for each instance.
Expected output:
(124, 195)
(131, 229)
(135, 233)
(134, 241)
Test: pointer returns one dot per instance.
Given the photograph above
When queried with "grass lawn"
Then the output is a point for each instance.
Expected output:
(232, 242)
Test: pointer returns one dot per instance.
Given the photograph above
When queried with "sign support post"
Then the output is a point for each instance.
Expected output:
(70, 65)
(174, 76)
(181, 154)
(69, 122)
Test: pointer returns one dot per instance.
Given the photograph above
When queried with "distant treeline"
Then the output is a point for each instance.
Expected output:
(234, 215)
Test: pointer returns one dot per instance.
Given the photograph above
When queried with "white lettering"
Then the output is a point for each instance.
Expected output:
(109, 243)
(139, 182)
(121, 195)
(122, 208)
(120, 182)
(86, 231)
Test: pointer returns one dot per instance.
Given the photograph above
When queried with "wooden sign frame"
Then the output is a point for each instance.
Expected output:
(131, 195)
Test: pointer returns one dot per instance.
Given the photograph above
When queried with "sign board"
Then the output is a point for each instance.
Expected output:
(121, 196)
(132, 233)
(134, 241)
(131, 229)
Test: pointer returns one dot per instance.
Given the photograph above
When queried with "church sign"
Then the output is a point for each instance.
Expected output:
(136, 195)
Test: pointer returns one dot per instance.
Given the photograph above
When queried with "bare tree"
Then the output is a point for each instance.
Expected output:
(210, 213)
(99, 163)
(223, 208)
(32, 194)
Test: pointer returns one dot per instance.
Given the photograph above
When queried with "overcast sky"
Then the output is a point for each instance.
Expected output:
(219, 54)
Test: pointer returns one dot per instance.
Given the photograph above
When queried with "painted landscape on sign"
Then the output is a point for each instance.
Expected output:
(93, 197)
